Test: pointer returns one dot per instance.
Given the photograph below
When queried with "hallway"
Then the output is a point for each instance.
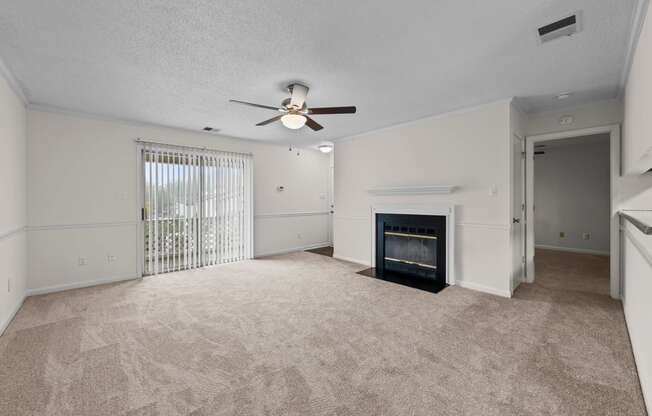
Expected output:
(560, 270)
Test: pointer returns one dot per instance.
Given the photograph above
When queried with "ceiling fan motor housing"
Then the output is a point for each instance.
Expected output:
(298, 93)
(288, 106)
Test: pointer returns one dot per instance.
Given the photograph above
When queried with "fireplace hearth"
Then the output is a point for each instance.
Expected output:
(411, 250)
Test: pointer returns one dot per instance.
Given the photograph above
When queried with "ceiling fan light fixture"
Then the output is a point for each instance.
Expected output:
(325, 147)
(293, 121)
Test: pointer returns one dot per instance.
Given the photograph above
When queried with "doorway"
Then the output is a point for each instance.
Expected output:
(583, 238)
(196, 207)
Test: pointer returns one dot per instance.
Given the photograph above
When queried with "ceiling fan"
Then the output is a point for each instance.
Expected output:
(295, 112)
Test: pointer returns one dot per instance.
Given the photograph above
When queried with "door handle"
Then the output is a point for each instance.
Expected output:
(516, 220)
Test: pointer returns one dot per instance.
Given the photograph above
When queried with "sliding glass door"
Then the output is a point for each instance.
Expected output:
(197, 207)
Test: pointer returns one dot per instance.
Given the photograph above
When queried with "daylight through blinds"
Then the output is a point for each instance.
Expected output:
(197, 208)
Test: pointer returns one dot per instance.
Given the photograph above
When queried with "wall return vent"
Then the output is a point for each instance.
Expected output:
(567, 26)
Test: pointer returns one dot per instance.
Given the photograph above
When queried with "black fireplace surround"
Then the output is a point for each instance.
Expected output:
(411, 250)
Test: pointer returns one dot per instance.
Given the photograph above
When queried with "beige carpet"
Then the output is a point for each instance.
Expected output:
(302, 334)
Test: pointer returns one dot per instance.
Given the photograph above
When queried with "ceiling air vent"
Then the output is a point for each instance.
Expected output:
(567, 26)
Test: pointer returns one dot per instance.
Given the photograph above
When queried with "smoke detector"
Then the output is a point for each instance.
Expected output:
(566, 26)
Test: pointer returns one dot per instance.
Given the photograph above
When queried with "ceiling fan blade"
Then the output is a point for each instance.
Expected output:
(271, 120)
(332, 110)
(313, 124)
(256, 105)
(298, 95)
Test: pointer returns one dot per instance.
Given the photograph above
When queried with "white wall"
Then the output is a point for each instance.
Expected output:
(82, 201)
(572, 195)
(637, 290)
(599, 113)
(635, 192)
(469, 149)
(13, 194)
(637, 149)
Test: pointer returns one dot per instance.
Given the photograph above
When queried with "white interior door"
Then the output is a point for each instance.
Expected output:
(519, 220)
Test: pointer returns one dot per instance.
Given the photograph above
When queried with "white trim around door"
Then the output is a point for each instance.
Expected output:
(614, 133)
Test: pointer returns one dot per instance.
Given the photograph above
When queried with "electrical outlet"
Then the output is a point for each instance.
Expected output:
(562, 234)
(566, 120)
(82, 261)
(110, 258)
(586, 236)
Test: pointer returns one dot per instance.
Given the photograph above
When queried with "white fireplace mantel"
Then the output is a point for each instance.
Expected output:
(413, 190)
(447, 210)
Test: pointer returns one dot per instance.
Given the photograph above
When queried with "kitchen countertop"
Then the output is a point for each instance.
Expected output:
(641, 219)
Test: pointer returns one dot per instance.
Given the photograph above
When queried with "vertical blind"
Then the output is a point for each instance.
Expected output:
(197, 207)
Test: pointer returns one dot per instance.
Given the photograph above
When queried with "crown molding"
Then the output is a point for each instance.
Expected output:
(52, 109)
(445, 114)
(12, 81)
(638, 19)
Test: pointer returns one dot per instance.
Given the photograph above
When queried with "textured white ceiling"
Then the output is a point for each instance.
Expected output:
(177, 63)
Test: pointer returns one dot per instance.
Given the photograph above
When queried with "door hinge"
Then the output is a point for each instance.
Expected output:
(522, 207)
(142, 214)
(522, 155)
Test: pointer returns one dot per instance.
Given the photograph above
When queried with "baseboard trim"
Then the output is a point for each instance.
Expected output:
(573, 250)
(78, 285)
(12, 315)
(352, 260)
(483, 288)
(294, 249)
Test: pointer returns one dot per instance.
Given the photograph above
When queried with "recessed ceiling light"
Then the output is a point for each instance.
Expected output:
(564, 95)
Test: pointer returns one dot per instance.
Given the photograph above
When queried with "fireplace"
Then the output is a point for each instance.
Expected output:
(411, 250)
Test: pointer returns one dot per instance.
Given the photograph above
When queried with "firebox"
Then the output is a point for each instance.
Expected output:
(411, 247)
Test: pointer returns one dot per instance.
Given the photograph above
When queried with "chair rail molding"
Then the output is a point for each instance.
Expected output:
(291, 214)
(413, 190)
(32, 228)
(641, 219)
